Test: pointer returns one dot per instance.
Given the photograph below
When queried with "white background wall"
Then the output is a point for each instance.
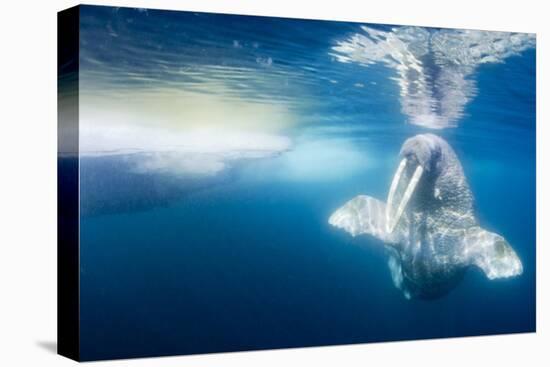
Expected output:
(28, 183)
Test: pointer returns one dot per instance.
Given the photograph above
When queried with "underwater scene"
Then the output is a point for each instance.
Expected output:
(255, 182)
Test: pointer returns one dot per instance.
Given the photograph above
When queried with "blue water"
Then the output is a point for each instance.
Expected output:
(245, 259)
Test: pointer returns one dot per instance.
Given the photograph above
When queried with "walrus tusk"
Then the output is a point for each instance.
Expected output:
(391, 222)
(393, 187)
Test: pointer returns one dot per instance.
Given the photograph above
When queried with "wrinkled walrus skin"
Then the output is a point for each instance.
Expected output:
(428, 223)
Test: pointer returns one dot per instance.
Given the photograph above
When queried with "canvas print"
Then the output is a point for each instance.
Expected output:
(232, 183)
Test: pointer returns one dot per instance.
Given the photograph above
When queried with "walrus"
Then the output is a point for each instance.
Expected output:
(428, 223)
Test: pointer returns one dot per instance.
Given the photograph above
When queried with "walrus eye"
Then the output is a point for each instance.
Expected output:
(392, 218)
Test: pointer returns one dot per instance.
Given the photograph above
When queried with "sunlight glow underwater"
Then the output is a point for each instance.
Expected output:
(198, 128)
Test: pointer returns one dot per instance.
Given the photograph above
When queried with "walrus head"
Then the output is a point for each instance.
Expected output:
(421, 156)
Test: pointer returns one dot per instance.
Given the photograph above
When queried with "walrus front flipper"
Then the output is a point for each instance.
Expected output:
(363, 215)
(492, 254)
